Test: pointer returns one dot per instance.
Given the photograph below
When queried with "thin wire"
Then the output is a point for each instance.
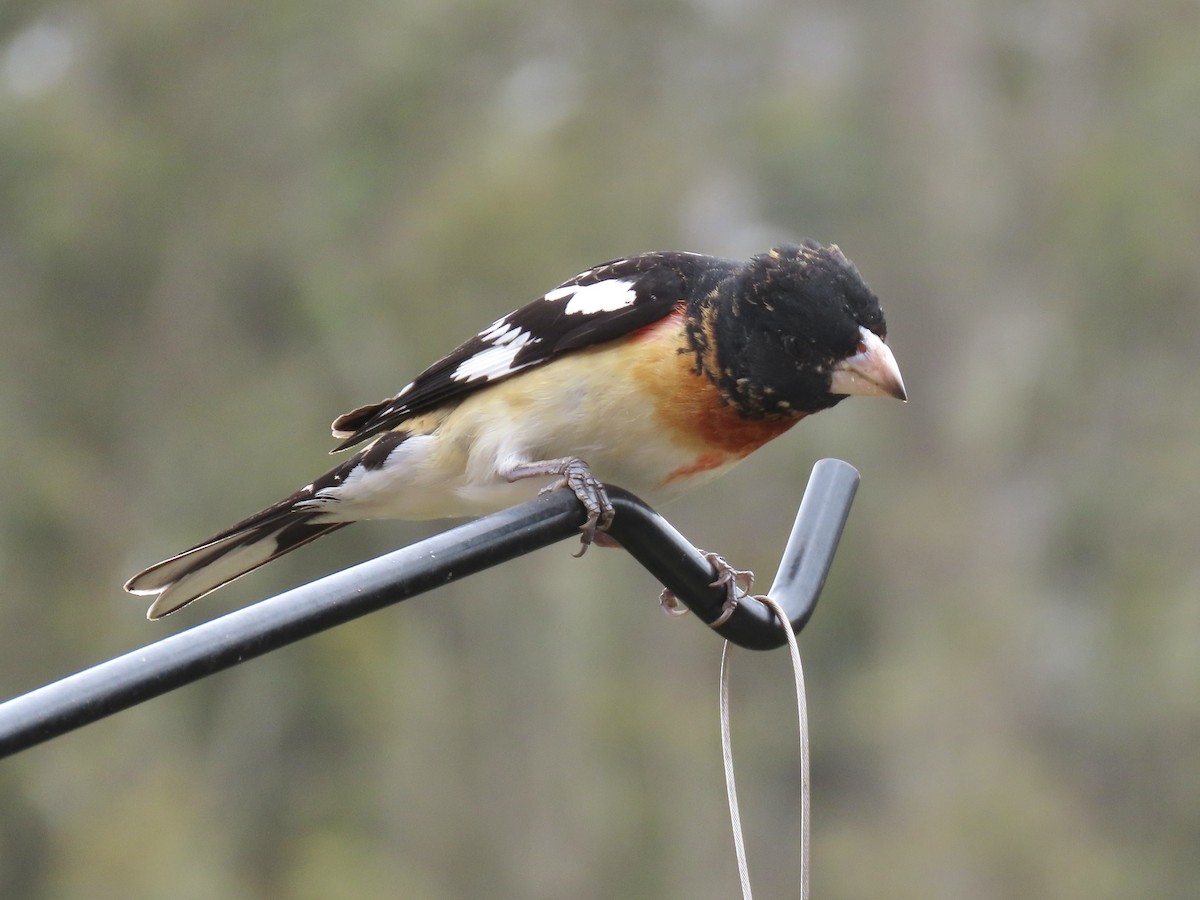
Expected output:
(735, 817)
(802, 720)
(727, 759)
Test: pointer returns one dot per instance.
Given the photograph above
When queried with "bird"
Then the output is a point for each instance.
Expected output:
(658, 372)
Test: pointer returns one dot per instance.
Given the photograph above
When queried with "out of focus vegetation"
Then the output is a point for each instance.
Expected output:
(223, 223)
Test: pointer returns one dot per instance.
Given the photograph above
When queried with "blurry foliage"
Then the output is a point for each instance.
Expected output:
(221, 225)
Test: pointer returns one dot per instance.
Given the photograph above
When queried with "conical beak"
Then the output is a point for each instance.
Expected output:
(871, 372)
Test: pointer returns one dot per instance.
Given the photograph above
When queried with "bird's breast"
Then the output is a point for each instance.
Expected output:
(693, 414)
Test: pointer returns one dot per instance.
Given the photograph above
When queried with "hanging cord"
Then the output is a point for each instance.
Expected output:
(727, 757)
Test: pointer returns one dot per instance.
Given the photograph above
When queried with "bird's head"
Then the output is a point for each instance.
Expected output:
(802, 331)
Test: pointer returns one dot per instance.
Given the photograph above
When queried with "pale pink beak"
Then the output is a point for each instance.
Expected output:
(872, 372)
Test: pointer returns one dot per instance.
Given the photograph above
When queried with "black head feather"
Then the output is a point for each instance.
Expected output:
(778, 324)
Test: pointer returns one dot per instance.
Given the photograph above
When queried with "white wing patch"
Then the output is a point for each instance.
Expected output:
(505, 338)
(496, 330)
(497, 360)
(603, 296)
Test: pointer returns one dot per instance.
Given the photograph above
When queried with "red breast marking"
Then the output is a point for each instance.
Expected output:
(728, 436)
(705, 463)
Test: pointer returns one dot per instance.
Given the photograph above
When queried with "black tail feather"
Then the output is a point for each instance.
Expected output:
(251, 543)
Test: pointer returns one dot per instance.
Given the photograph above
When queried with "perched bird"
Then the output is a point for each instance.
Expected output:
(656, 372)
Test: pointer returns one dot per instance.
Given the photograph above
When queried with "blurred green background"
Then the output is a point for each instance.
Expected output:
(222, 223)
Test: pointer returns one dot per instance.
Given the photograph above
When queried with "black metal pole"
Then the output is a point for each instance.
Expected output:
(200, 651)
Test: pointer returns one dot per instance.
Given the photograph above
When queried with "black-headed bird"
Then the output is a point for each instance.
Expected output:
(656, 372)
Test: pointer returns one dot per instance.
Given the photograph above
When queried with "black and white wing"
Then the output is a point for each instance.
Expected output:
(601, 304)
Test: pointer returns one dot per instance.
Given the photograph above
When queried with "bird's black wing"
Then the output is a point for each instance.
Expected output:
(601, 304)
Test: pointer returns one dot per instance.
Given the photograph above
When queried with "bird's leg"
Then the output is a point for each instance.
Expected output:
(575, 474)
(737, 584)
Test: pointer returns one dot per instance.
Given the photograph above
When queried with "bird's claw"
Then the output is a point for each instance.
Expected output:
(670, 604)
(577, 476)
(734, 581)
(737, 584)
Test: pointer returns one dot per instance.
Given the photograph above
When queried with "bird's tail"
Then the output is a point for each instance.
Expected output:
(253, 542)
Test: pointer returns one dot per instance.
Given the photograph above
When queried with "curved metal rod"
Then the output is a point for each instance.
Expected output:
(667, 555)
(243, 634)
